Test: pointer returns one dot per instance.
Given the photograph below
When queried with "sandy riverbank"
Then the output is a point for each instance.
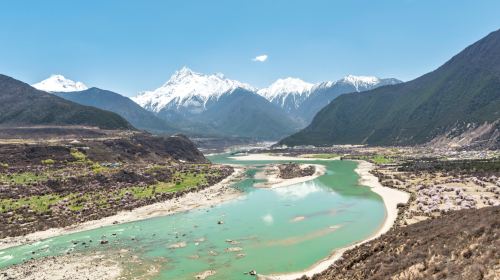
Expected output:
(271, 175)
(213, 195)
(391, 198)
(257, 157)
(75, 267)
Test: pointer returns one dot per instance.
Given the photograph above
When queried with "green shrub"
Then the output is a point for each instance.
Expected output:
(48, 161)
(97, 168)
(77, 155)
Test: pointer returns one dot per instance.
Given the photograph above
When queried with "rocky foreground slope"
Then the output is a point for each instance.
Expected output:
(59, 182)
(459, 245)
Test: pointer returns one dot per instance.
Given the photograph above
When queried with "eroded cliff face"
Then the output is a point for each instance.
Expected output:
(470, 136)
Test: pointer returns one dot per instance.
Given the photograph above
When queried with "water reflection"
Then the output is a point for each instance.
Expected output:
(297, 191)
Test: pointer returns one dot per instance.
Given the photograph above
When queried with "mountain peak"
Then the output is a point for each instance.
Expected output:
(187, 88)
(286, 86)
(183, 73)
(59, 83)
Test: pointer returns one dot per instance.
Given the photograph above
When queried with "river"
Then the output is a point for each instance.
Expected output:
(273, 231)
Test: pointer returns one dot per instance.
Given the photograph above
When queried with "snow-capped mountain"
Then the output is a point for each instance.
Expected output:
(188, 90)
(323, 93)
(285, 86)
(58, 83)
(303, 100)
(362, 83)
(214, 105)
(288, 93)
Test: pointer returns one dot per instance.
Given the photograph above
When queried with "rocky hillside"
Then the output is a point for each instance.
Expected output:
(138, 148)
(59, 183)
(460, 96)
(22, 105)
(459, 245)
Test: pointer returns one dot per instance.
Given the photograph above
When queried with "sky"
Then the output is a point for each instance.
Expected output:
(131, 46)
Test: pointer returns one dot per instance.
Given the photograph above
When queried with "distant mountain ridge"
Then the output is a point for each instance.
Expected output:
(455, 100)
(21, 104)
(123, 106)
(303, 100)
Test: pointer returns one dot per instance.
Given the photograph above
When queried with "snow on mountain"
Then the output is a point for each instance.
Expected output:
(322, 85)
(362, 83)
(285, 86)
(288, 93)
(58, 83)
(281, 88)
(188, 89)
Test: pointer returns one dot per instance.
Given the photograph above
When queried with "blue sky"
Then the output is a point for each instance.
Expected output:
(130, 46)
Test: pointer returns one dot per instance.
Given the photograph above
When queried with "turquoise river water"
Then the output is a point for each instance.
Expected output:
(277, 230)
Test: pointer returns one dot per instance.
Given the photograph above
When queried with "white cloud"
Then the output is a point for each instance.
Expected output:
(260, 58)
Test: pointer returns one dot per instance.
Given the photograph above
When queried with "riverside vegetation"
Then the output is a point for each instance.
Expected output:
(46, 185)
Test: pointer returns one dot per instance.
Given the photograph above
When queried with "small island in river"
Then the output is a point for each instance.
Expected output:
(286, 174)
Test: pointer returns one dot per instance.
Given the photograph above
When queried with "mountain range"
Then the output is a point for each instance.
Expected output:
(459, 101)
(213, 104)
(303, 100)
(105, 100)
(23, 105)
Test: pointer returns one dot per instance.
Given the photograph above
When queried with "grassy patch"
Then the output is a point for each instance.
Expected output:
(42, 203)
(380, 159)
(37, 203)
(22, 178)
(77, 155)
(97, 168)
(180, 182)
(48, 161)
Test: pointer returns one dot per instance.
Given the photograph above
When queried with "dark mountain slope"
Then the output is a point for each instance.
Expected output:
(238, 113)
(21, 104)
(460, 95)
(246, 114)
(123, 106)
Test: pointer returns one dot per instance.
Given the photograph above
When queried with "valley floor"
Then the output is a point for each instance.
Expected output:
(426, 199)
